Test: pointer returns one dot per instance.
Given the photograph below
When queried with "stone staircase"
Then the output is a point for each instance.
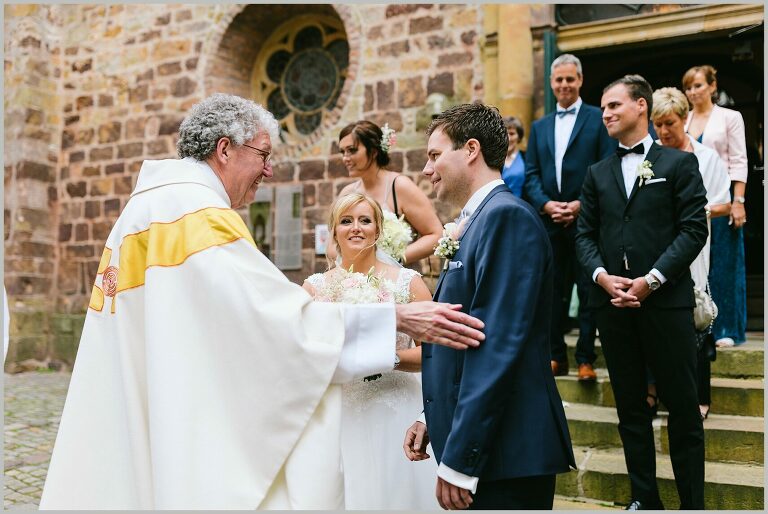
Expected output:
(734, 435)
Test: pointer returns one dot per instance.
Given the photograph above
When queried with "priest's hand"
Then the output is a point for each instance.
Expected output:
(439, 323)
(416, 441)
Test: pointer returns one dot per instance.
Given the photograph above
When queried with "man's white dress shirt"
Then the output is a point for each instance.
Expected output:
(563, 129)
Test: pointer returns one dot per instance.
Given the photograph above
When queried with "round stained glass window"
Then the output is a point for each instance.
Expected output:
(300, 72)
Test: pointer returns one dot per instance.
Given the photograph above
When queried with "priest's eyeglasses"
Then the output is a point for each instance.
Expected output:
(265, 156)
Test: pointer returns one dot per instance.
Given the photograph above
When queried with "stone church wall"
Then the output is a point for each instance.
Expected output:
(93, 90)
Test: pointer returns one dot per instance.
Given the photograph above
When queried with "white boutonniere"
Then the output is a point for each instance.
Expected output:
(644, 172)
(448, 245)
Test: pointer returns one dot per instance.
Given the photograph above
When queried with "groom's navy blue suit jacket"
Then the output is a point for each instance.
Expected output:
(494, 412)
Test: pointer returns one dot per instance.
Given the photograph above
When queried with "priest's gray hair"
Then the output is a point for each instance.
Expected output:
(221, 115)
(566, 59)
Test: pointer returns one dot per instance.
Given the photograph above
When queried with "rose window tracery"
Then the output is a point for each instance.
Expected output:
(300, 73)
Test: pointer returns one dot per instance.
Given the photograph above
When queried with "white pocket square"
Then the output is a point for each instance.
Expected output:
(455, 265)
(654, 180)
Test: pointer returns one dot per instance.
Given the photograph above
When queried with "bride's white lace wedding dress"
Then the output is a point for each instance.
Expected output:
(375, 415)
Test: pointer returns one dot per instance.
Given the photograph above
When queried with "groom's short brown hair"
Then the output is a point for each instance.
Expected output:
(475, 121)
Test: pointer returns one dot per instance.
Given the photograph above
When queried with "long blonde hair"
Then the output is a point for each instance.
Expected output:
(346, 202)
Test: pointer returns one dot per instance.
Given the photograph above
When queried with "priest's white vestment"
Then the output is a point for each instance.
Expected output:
(204, 378)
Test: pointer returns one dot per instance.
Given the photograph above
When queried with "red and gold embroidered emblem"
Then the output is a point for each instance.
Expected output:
(109, 281)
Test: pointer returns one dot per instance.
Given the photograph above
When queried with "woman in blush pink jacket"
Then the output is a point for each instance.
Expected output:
(723, 130)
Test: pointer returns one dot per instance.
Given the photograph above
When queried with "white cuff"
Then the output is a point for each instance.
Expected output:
(422, 418)
(656, 273)
(456, 478)
(369, 341)
(597, 272)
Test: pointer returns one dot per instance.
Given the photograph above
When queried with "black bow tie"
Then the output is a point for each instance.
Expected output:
(638, 149)
(564, 112)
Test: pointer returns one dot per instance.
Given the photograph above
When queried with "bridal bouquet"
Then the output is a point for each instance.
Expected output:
(395, 236)
(348, 286)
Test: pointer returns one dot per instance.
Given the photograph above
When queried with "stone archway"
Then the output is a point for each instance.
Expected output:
(231, 50)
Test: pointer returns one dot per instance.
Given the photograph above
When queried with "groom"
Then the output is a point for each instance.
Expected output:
(494, 416)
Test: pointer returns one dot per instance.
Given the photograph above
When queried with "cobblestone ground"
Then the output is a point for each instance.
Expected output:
(33, 405)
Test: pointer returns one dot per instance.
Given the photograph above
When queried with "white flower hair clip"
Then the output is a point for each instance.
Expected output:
(388, 137)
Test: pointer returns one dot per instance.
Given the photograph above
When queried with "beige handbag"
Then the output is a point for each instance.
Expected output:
(705, 311)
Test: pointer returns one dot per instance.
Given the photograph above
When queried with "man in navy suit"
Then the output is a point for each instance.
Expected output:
(561, 147)
(494, 416)
(642, 223)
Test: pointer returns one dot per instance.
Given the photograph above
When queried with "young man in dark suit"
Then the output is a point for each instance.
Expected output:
(561, 147)
(495, 418)
(642, 223)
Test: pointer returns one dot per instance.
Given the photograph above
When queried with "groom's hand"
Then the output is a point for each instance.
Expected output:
(416, 441)
(452, 497)
(439, 323)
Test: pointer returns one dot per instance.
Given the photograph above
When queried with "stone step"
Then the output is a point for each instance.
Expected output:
(736, 396)
(743, 361)
(602, 476)
(727, 438)
(563, 503)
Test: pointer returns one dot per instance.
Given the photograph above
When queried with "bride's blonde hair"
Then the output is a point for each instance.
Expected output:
(346, 202)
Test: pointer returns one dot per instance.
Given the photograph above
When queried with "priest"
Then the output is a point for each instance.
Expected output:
(205, 379)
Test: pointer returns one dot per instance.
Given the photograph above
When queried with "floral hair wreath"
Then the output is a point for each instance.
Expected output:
(388, 138)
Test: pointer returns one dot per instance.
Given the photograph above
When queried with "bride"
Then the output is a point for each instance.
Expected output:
(377, 409)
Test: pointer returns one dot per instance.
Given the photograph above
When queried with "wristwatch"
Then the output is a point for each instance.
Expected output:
(653, 282)
(397, 361)
(739, 199)
(708, 211)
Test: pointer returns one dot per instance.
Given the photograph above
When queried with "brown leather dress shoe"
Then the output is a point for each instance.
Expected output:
(587, 373)
(559, 368)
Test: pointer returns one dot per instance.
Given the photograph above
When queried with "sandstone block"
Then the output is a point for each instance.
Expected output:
(411, 92)
(105, 100)
(101, 230)
(92, 209)
(400, 9)
(123, 185)
(109, 132)
(441, 83)
(454, 59)
(159, 146)
(394, 49)
(385, 95)
(134, 128)
(76, 189)
(65, 232)
(111, 207)
(128, 150)
(368, 103)
(35, 171)
(183, 87)
(169, 68)
(336, 167)
(311, 170)
(101, 187)
(425, 24)
(99, 154)
(85, 136)
(118, 167)
(283, 172)
(82, 232)
(309, 195)
(169, 49)
(91, 171)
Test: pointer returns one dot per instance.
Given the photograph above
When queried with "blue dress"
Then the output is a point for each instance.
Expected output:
(514, 175)
(727, 279)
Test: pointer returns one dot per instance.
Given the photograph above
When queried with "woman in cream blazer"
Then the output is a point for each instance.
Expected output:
(723, 130)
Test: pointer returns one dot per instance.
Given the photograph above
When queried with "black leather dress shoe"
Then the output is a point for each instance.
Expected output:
(638, 505)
